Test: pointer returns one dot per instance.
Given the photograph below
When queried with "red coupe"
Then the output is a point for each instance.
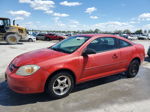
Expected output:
(54, 37)
(57, 69)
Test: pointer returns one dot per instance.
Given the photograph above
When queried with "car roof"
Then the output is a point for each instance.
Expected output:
(2, 18)
(105, 35)
(97, 35)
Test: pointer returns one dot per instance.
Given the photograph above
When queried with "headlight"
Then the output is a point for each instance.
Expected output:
(27, 70)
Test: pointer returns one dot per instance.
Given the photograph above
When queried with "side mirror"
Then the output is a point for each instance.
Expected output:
(88, 51)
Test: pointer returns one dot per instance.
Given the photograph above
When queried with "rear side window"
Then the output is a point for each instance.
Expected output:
(123, 43)
(40, 34)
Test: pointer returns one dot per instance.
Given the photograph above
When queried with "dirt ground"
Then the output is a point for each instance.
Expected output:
(111, 94)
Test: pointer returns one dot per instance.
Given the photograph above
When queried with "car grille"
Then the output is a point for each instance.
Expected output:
(12, 67)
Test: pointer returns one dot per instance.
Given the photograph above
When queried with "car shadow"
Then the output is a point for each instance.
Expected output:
(147, 59)
(3, 43)
(10, 98)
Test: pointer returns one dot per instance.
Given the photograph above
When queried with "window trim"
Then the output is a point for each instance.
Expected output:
(116, 42)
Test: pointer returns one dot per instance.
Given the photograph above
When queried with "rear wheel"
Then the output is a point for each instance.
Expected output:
(12, 39)
(30, 40)
(133, 69)
(60, 85)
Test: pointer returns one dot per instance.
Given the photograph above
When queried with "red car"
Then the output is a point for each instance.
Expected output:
(54, 37)
(74, 60)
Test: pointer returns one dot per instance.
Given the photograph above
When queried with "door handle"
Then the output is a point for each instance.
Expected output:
(114, 56)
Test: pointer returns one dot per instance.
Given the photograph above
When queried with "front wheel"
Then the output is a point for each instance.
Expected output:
(12, 38)
(47, 39)
(133, 69)
(60, 85)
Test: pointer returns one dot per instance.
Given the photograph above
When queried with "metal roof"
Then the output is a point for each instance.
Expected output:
(2, 18)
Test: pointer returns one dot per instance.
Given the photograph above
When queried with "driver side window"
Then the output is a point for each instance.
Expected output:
(103, 44)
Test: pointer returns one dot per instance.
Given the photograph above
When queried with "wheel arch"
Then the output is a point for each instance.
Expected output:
(59, 70)
(8, 33)
(136, 58)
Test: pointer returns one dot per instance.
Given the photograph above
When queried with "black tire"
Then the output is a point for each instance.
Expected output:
(30, 40)
(60, 39)
(133, 68)
(52, 83)
(12, 39)
(47, 39)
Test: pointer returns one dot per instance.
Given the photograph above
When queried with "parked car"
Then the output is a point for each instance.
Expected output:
(57, 69)
(124, 35)
(40, 36)
(148, 53)
(54, 37)
(69, 34)
(132, 37)
(29, 38)
(143, 37)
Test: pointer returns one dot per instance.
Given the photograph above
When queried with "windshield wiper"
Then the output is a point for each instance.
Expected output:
(60, 50)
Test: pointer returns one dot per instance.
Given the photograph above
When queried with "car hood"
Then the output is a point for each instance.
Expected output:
(37, 56)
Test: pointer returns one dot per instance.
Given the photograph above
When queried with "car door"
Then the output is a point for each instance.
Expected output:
(106, 59)
(126, 53)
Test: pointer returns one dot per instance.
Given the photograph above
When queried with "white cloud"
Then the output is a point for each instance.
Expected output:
(56, 19)
(45, 5)
(19, 18)
(35, 25)
(66, 3)
(60, 14)
(75, 22)
(49, 12)
(147, 26)
(75, 25)
(90, 10)
(94, 17)
(144, 16)
(24, 1)
(113, 25)
(20, 13)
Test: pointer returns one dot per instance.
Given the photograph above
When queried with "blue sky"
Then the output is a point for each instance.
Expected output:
(107, 15)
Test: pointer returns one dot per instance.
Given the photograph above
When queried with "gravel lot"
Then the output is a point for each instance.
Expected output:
(8, 52)
(111, 94)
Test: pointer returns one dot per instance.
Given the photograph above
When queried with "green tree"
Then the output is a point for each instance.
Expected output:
(139, 32)
(127, 31)
(118, 32)
(97, 31)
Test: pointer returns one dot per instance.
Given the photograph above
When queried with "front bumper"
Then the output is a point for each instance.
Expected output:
(34, 83)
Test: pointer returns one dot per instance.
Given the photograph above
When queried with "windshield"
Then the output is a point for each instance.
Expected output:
(70, 44)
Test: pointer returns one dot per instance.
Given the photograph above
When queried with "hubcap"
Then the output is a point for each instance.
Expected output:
(61, 85)
(12, 39)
